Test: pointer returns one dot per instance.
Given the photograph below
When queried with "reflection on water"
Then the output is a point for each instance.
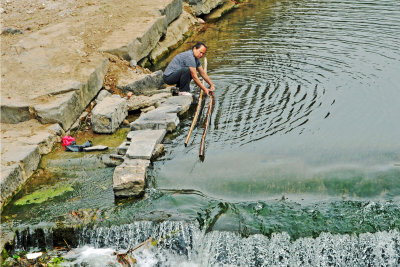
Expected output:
(307, 98)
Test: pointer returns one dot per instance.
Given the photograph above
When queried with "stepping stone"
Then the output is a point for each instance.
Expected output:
(177, 104)
(156, 119)
(143, 143)
(121, 150)
(130, 178)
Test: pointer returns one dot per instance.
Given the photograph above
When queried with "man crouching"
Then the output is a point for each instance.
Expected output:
(183, 68)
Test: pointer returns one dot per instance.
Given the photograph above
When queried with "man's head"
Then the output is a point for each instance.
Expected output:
(199, 50)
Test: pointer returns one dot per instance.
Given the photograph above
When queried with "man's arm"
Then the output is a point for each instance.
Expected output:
(206, 78)
(196, 79)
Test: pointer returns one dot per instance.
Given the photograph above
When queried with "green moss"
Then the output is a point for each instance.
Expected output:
(44, 194)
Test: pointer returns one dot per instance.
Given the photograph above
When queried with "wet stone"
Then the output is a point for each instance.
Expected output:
(143, 143)
(156, 119)
(129, 178)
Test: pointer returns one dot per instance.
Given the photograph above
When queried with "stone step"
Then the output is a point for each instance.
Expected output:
(155, 120)
(129, 179)
(176, 104)
(143, 143)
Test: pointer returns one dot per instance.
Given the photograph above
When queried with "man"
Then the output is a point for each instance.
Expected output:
(183, 68)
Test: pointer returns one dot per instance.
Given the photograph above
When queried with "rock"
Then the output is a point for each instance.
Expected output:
(201, 7)
(146, 83)
(158, 150)
(156, 119)
(125, 122)
(12, 113)
(177, 104)
(129, 179)
(11, 178)
(148, 109)
(143, 143)
(177, 32)
(111, 160)
(133, 63)
(108, 114)
(102, 94)
(172, 10)
(138, 102)
(95, 148)
(121, 150)
(56, 129)
(77, 123)
(63, 109)
(136, 38)
(26, 155)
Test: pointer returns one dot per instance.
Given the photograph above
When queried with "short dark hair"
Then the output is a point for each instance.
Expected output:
(198, 45)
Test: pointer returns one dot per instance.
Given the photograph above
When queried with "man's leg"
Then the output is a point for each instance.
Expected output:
(181, 78)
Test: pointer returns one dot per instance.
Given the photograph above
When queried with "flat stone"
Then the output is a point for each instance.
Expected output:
(95, 148)
(129, 179)
(156, 119)
(11, 178)
(112, 161)
(141, 101)
(109, 114)
(121, 150)
(102, 94)
(148, 109)
(177, 104)
(26, 155)
(143, 143)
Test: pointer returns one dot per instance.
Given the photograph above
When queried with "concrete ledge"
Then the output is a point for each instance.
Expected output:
(129, 178)
(140, 86)
(11, 178)
(137, 38)
(14, 114)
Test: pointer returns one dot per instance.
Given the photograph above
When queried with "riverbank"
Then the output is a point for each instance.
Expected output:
(65, 54)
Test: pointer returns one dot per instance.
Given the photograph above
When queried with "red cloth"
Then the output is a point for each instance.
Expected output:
(67, 140)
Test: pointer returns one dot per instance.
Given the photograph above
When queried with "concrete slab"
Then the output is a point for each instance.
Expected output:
(176, 104)
(156, 119)
(109, 114)
(129, 179)
(26, 155)
(11, 178)
(143, 143)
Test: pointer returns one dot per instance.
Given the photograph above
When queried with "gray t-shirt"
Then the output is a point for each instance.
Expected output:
(184, 59)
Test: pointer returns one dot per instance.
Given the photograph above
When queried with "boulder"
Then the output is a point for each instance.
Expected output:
(109, 114)
(129, 179)
(26, 155)
(12, 113)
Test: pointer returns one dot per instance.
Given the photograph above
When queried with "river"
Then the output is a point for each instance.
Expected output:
(302, 161)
